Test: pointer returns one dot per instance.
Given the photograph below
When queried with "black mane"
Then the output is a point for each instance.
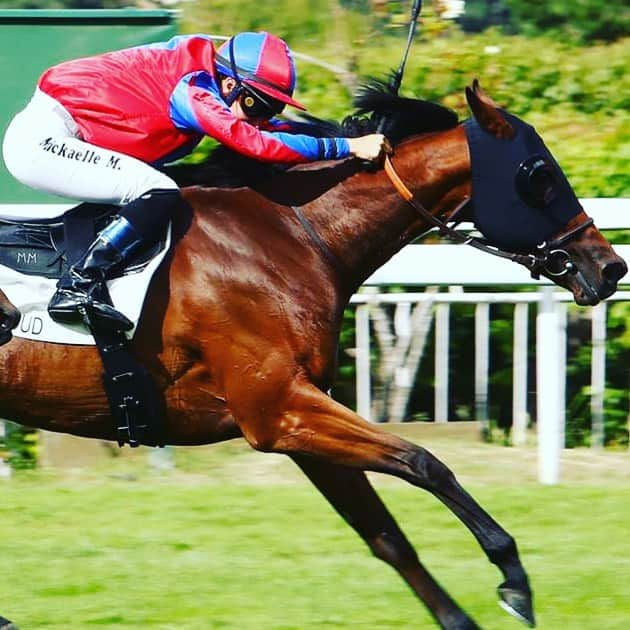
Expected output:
(377, 109)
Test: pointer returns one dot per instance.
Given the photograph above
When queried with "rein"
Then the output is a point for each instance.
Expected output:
(550, 258)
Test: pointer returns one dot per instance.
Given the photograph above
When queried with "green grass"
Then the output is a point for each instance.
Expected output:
(121, 547)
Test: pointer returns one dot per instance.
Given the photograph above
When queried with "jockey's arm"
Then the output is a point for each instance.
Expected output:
(367, 147)
(200, 109)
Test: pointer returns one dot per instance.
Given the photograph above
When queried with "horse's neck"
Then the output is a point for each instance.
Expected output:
(365, 221)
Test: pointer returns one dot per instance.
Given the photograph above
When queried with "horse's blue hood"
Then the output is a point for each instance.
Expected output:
(520, 195)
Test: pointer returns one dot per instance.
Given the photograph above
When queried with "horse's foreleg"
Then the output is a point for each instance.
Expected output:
(351, 494)
(313, 424)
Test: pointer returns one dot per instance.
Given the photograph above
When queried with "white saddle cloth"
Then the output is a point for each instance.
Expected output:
(31, 294)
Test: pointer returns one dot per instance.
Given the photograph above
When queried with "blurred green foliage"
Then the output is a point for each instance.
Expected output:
(19, 446)
(583, 21)
(578, 97)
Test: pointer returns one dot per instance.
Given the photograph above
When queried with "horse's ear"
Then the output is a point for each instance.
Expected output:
(486, 112)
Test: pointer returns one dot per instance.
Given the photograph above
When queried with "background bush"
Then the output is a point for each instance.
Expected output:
(578, 96)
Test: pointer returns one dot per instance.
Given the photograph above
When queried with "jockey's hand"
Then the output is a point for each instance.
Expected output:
(369, 147)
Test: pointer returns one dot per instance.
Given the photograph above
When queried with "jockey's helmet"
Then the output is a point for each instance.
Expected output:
(262, 66)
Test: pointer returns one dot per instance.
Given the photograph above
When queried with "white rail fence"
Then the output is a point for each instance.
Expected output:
(551, 363)
(459, 266)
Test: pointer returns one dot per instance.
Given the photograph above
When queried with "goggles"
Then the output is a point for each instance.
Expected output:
(257, 106)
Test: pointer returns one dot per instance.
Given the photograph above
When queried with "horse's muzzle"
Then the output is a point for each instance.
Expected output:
(612, 272)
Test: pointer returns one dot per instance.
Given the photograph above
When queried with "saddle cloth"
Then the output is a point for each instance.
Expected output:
(35, 253)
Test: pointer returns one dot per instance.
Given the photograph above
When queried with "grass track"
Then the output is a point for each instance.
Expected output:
(121, 547)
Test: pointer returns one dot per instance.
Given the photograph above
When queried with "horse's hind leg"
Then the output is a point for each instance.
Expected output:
(351, 494)
(311, 423)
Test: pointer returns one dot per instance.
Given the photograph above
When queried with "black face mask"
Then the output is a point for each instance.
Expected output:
(520, 195)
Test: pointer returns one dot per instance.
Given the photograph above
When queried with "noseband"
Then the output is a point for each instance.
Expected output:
(550, 257)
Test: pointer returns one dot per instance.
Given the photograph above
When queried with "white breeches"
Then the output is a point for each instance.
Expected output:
(43, 149)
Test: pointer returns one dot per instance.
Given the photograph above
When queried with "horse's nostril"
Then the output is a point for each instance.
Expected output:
(612, 272)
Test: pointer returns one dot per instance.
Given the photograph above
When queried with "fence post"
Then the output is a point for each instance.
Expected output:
(442, 312)
(482, 362)
(598, 373)
(562, 311)
(362, 360)
(519, 379)
(548, 386)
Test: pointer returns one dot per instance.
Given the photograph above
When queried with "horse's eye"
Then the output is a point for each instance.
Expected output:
(536, 181)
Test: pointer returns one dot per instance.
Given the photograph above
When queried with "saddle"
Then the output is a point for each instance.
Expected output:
(47, 248)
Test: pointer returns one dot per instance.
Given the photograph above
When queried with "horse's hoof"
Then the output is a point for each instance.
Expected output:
(518, 603)
(5, 624)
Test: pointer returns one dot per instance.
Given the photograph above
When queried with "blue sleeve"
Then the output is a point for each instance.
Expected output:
(323, 148)
(315, 148)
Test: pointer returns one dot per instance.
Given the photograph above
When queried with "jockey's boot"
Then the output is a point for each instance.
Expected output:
(83, 286)
(82, 289)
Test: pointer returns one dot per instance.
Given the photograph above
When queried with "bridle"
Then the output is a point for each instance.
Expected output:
(550, 257)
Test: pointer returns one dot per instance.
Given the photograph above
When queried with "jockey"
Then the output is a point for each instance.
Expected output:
(99, 129)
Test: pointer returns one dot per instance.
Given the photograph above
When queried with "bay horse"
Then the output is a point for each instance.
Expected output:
(241, 323)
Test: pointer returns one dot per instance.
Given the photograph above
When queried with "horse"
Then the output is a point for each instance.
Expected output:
(241, 322)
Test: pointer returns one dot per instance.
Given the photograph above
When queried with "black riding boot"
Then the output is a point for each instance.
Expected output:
(82, 289)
